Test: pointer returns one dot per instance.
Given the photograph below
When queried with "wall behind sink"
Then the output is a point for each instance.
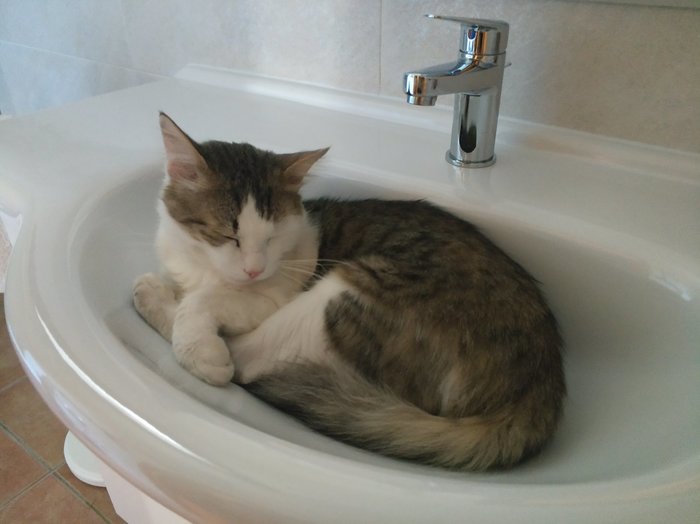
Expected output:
(622, 70)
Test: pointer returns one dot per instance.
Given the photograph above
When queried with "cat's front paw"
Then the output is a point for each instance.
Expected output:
(151, 293)
(207, 358)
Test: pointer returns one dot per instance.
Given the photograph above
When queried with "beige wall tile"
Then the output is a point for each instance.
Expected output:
(33, 79)
(622, 70)
(80, 28)
(332, 42)
(626, 71)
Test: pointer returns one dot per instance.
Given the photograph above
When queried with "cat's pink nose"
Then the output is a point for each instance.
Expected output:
(253, 273)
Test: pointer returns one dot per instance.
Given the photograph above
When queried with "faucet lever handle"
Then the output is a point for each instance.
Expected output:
(479, 36)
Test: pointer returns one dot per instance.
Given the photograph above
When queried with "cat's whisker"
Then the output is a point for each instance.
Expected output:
(301, 270)
(301, 283)
(322, 261)
(299, 267)
(304, 267)
(308, 274)
(300, 261)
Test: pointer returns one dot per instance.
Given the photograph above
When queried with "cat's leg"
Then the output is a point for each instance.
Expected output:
(156, 302)
(196, 342)
(294, 332)
(200, 320)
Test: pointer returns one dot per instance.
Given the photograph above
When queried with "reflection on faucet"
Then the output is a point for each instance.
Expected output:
(475, 79)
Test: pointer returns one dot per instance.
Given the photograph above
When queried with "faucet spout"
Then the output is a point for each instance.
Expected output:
(419, 100)
(475, 79)
(464, 76)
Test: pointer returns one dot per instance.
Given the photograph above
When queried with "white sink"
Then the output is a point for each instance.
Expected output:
(610, 228)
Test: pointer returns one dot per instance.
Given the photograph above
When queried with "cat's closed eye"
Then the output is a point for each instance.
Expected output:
(232, 239)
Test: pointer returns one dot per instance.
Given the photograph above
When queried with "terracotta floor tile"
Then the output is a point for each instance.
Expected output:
(17, 468)
(50, 502)
(98, 498)
(26, 415)
(10, 368)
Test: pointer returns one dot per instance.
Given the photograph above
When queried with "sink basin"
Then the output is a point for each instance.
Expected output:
(610, 228)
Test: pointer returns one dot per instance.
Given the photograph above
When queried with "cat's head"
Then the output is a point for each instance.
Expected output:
(239, 204)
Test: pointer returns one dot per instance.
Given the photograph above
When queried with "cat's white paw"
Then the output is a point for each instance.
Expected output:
(151, 292)
(207, 358)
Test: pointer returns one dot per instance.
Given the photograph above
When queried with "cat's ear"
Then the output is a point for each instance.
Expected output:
(184, 164)
(296, 165)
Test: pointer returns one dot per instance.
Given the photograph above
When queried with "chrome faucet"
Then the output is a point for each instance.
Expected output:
(475, 79)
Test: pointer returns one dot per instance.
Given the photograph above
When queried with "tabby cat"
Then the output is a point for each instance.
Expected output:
(390, 325)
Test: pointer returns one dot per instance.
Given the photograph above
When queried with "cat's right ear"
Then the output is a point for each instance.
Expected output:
(295, 166)
(184, 164)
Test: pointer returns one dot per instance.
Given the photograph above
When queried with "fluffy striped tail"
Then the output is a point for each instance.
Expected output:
(337, 401)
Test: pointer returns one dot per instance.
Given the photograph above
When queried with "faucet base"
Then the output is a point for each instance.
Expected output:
(471, 165)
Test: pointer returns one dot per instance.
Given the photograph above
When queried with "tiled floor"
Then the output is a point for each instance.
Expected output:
(36, 486)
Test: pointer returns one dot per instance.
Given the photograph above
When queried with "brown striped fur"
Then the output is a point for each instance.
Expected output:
(451, 356)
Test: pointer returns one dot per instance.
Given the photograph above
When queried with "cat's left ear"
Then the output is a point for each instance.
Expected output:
(296, 165)
(184, 163)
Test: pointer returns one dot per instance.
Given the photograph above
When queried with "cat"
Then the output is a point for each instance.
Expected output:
(393, 326)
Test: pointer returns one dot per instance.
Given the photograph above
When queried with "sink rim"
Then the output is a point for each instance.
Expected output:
(421, 480)
(31, 326)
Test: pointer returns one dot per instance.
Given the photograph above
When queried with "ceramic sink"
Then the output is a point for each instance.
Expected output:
(610, 228)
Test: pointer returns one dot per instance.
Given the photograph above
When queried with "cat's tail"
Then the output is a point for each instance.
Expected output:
(337, 401)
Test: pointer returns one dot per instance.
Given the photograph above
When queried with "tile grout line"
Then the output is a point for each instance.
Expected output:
(46, 469)
(12, 383)
(83, 58)
(25, 489)
(49, 471)
(77, 493)
(56, 475)
(27, 448)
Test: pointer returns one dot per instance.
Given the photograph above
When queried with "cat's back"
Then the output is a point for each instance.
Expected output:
(357, 227)
(434, 266)
(409, 233)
